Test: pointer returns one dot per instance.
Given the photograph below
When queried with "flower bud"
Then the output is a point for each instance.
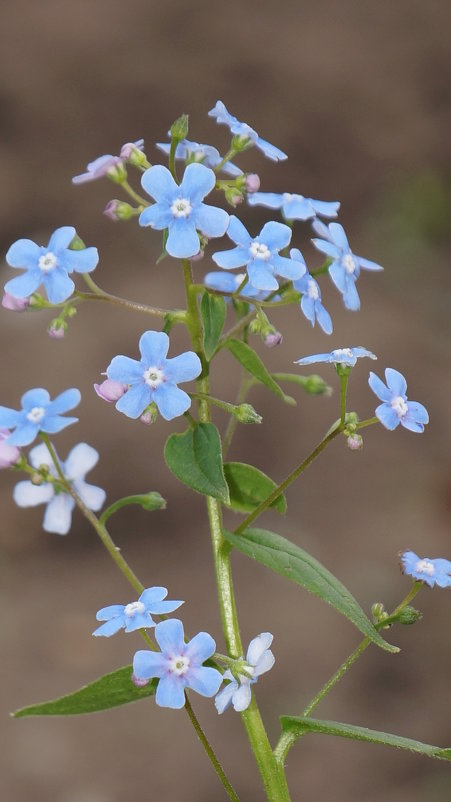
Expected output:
(409, 616)
(150, 414)
(117, 172)
(233, 196)
(246, 413)
(9, 455)
(240, 142)
(252, 182)
(355, 442)
(110, 390)
(57, 329)
(179, 128)
(273, 339)
(139, 683)
(198, 256)
(14, 304)
(133, 152)
(119, 210)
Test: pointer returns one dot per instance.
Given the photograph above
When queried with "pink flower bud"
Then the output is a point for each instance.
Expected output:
(252, 182)
(9, 455)
(198, 256)
(56, 332)
(139, 683)
(355, 442)
(14, 304)
(147, 418)
(110, 210)
(271, 340)
(131, 149)
(110, 390)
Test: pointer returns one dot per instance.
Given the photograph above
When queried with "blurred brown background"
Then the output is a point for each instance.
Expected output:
(357, 94)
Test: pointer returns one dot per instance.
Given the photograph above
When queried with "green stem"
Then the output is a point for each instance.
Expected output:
(245, 384)
(343, 387)
(100, 295)
(134, 195)
(287, 739)
(368, 422)
(229, 155)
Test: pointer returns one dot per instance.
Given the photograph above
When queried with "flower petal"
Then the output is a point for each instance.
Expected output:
(224, 697)
(93, 497)
(170, 692)
(147, 665)
(80, 461)
(338, 236)
(23, 286)
(183, 240)
(170, 636)
(26, 494)
(326, 247)
(61, 239)
(83, 261)
(287, 268)
(237, 232)
(170, 400)
(124, 369)
(275, 235)
(261, 276)
(204, 680)
(197, 182)
(153, 346)
(210, 220)
(151, 595)
(183, 368)
(200, 648)
(387, 416)
(257, 646)
(272, 200)
(395, 381)
(158, 182)
(109, 628)
(378, 387)
(64, 401)
(58, 285)
(23, 253)
(135, 400)
(157, 216)
(112, 611)
(58, 515)
(242, 697)
(40, 455)
(228, 260)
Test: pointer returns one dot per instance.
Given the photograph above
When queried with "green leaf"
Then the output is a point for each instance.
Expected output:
(313, 384)
(249, 486)
(253, 364)
(111, 690)
(148, 501)
(213, 310)
(287, 559)
(300, 725)
(195, 457)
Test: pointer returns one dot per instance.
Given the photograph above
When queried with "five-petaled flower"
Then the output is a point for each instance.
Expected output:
(137, 614)
(432, 572)
(38, 414)
(60, 504)
(195, 152)
(260, 254)
(311, 297)
(105, 165)
(340, 356)
(154, 378)
(181, 210)
(259, 659)
(396, 409)
(49, 265)
(345, 268)
(294, 207)
(244, 131)
(178, 665)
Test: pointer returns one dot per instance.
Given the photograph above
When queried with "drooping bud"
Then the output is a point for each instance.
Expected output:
(139, 683)
(117, 173)
(14, 304)
(110, 390)
(233, 196)
(355, 442)
(9, 455)
(119, 210)
(57, 329)
(252, 182)
(273, 339)
(150, 414)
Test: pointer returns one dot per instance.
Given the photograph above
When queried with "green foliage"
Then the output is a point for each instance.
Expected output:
(213, 310)
(253, 364)
(249, 486)
(292, 562)
(195, 457)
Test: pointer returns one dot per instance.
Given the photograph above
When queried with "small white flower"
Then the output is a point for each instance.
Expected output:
(259, 659)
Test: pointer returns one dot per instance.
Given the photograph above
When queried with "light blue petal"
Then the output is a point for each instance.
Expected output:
(139, 621)
(378, 387)
(328, 248)
(9, 418)
(310, 360)
(64, 401)
(409, 560)
(296, 255)
(37, 397)
(124, 369)
(40, 455)
(83, 261)
(387, 416)
(367, 264)
(261, 276)
(171, 401)
(321, 229)
(24, 434)
(228, 260)
(200, 648)
(224, 697)
(237, 232)
(210, 220)
(411, 424)
(92, 496)
(417, 412)
(272, 200)
(351, 296)
(158, 216)
(153, 346)
(183, 368)
(270, 151)
(58, 515)
(298, 208)
(52, 424)
(257, 647)
(224, 282)
(109, 628)
(171, 692)
(265, 663)
(275, 235)
(395, 381)
(61, 239)
(197, 182)
(360, 352)
(338, 236)
(325, 208)
(287, 268)
(58, 285)
(170, 636)
(158, 182)
(151, 595)
(183, 240)
(163, 607)
(80, 461)
(112, 611)
(23, 253)
(204, 680)
(134, 401)
(323, 318)
(22, 286)
(242, 697)
(147, 665)
(26, 494)
(229, 168)
(308, 308)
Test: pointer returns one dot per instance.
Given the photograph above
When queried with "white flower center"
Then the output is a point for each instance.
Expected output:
(48, 262)
(181, 207)
(36, 414)
(153, 377)
(259, 250)
(340, 352)
(312, 289)
(348, 263)
(425, 567)
(399, 405)
(134, 608)
(179, 665)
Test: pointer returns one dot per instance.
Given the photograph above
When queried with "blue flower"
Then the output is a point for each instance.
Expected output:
(294, 207)
(341, 356)
(259, 659)
(58, 514)
(49, 265)
(38, 414)
(246, 132)
(104, 164)
(311, 297)
(154, 378)
(260, 254)
(229, 282)
(180, 208)
(206, 154)
(136, 615)
(433, 572)
(178, 665)
(396, 409)
(345, 268)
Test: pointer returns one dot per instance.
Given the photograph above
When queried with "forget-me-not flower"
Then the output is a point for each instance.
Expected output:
(259, 659)
(396, 409)
(195, 152)
(260, 254)
(49, 265)
(345, 268)
(311, 304)
(38, 414)
(103, 164)
(181, 210)
(229, 282)
(246, 132)
(58, 514)
(346, 357)
(154, 378)
(137, 614)
(178, 665)
(433, 572)
(294, 207)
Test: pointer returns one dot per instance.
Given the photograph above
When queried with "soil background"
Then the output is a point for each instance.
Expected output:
(357, 94)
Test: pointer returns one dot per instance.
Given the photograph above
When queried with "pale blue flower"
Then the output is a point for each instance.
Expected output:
(246, 132)
(311, 297)
(396, 409)
(154, 378)
(205, 154)
(260, 254)
(294, 207)
(180, 208)
(432, 572)
(346, 357)
(103, 164)
(38, 414)
(49, 265)
(178, 665)
(58, 514)
(259, 659)
(345, 268)
(135, 615)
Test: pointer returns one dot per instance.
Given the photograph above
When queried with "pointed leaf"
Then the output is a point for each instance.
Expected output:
(148, 501)
(108, 691)
(195, 457)
(300, 725)
(253, 364)
(287, 559)
(213, 310)
(249, 486)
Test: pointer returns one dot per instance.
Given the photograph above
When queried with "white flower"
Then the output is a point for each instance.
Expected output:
(259, 659)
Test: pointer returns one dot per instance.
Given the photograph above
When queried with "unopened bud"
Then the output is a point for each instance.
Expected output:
(252, 182)
(377, 609)
(198, 256)
(119, 210)
(57, 329)
(409, 616)
(138, 682)
(246, 413)
(179, 128)
(240, 142)
(117, 173)
(9, 455)
(273, 339)
(36, 479)
(14, 304)
(110, 390)
(233, 196)
(355, 442)
(150, 414)
(133, 153)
